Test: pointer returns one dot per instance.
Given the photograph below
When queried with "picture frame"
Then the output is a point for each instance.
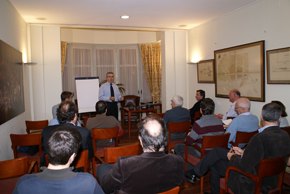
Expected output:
(205, 71)
(241, 67)
(278, 66)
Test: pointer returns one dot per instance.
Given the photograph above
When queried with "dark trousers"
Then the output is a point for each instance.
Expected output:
(112, 109)
(102, 170)
(217, 162)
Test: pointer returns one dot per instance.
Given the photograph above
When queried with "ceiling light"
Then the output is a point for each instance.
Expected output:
(182, 26)
(124, 17)
(41, 18)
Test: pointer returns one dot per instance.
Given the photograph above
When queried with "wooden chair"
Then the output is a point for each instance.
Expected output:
(243, 137)
(35, 126)
(175, 190)
(27, 140)
(176, 127)
(208, 142)
(111, 154)
(130, 100)
(158, 114)
(81, 160)
(197, 115)
(267, 167)
(98, 134)
(11, 171)
(85, 121)
(287, 129)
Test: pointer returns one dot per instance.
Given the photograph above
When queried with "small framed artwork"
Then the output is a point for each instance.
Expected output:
(241, 67)
(205, 71)
(278, 66)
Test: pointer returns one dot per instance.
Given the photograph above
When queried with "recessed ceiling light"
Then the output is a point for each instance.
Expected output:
(182, 26)
(41, 18)
(124, 17)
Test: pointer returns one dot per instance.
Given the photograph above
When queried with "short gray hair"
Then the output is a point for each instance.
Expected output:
(178, 100)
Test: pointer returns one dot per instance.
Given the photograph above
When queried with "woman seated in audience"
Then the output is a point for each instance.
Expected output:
(284, 121)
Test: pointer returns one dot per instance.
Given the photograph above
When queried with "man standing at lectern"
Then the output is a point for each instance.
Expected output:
(109, 92)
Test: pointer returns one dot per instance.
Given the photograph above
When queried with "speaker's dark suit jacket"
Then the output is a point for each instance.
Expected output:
(148, 173)
(85, 133)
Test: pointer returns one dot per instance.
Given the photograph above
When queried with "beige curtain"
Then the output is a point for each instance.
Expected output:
(151, 57)
(63, 55)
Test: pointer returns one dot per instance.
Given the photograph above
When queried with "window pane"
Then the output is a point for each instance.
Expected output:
(128, 75)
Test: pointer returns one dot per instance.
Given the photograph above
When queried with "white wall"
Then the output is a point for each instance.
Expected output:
(46, 75)
(265, 20)
(92, 36)
(13, 32)
(174, 67)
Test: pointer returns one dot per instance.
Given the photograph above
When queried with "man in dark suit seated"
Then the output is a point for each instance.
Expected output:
(270, 142)
(149, 173)
(200, 94)
(63, 145)
(67, 116)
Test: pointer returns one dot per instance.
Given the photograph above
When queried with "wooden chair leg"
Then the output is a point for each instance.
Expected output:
(94, 166)
(222, 191)
(201, 185)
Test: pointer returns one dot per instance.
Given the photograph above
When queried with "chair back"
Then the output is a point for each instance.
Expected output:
(111, 154)
(130, 100)
(243, 137)
(197, 115)
(98, 134)
(160, 114)
(81, 160)
(35, 125)
(209, 142)
(26, 140)
(85, 121)
(267, 167)
(13, 168)
(287, 129)
(176, 127)
(175, 190)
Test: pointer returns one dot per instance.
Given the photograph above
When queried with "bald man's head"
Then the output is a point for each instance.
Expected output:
(234, 95)
(242, 105)
(153, 133)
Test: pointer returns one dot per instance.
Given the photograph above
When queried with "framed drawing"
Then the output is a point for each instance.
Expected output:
(241, 67)
(278, 66)
(205, 71)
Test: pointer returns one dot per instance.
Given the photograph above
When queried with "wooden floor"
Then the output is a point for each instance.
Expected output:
(186, 187)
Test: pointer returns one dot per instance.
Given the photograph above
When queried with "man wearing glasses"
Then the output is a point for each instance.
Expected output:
(109, 92)
(245, 121)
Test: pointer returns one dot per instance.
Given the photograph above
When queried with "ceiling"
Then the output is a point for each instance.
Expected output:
(146, 14)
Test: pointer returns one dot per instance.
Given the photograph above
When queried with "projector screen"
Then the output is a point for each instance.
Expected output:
(87, 89)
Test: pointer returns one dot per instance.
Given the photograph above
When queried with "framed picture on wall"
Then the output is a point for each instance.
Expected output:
(241, 67)
(205, 71)
(278, 66)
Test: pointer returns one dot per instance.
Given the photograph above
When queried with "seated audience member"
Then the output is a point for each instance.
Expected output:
(62, 147)
(65, 96)
(234, 95)
(101, 121)
(245, 121)
(200, 94)
(284, 121)
(151, 172)
(207, 125)
(270, 142)
(67, 116)
(176, 114)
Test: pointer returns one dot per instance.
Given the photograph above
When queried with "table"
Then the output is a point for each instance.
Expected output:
(132, 111)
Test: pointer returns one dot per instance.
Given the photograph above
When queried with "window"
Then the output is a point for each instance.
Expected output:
(96, 60)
